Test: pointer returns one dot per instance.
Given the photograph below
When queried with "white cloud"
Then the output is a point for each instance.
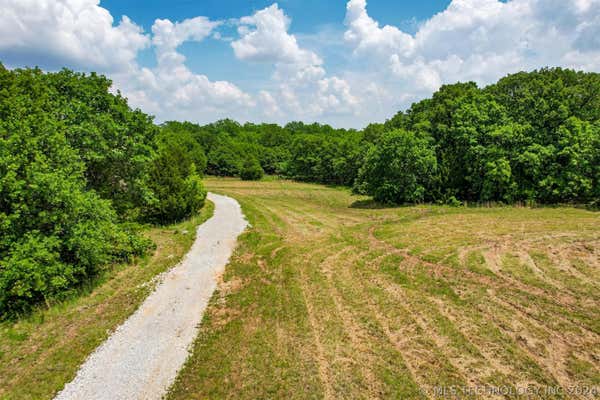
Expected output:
(171, 90)
(167, 36)
(80, 34)
(67, 32)
(269, 105)
(335, 94)
(366, 34)
(479, 40)
(304, 90)
(270, 41)
(378, 68)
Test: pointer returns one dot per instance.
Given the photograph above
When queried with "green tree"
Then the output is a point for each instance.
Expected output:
(251, 171)
(115, 142)
(399, 169)
(225, 159)
(184, 138)
(55, 231)
(178, 190)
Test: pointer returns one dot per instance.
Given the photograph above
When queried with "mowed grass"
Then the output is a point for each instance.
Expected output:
(42, 352)
(327, 298)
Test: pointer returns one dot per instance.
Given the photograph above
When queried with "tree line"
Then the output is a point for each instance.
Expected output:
(80, 170)
(531, 137)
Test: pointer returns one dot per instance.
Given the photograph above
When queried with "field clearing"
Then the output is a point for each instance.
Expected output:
(42, 352)
(327, 298)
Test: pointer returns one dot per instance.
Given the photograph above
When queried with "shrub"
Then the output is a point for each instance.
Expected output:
(178, 190)
(453, 202)
(399, 169)
(251, 171)
(69, 234)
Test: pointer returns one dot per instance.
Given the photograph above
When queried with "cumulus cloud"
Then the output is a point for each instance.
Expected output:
(479, 40)
(366, 34)
(270, 41)
(78, 33)
(171, 90)
(264, 37)
(167, 36)
(378, 69)
(81, 34)
(304, 90)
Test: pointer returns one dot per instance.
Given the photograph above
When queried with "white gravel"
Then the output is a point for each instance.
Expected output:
(141, 358)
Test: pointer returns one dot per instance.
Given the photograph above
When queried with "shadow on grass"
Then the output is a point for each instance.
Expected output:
(370, 204)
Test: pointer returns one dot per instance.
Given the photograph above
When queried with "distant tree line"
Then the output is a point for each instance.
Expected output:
(531, 137)
(79, 170)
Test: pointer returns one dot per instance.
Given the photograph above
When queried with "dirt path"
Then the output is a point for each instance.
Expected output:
(141, 359)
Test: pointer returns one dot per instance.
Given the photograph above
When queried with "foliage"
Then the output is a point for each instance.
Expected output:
(74, 169)
(177, 187)
(400, 169)
(225, 159)
(55, 232)
(114, 142)
(251, 171)
(531, 137)
(172, 133)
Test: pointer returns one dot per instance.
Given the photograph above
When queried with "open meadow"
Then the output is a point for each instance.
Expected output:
(331, 297)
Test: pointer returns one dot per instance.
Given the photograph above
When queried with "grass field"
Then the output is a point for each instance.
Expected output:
(42, 352)
(328, 298)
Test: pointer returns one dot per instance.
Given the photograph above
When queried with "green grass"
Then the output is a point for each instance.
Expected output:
(331, 296)
(42, 352)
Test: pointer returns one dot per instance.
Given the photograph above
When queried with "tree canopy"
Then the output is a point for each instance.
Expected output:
(532, 136)
(78, 168)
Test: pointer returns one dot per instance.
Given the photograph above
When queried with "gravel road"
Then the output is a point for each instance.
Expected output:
(141, 358)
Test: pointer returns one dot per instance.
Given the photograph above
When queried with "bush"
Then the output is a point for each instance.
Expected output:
(178, 190)
(251, 171)
(399, 169)
(453, 202)
(68, 235)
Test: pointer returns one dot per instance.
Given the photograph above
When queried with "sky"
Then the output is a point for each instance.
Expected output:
(342, 62)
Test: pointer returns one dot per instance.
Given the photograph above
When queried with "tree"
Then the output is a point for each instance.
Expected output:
(399, 169)
(305, 160)
(115, 142)
(168, 136)
(55, 232)
(251, 171)
(178, 190)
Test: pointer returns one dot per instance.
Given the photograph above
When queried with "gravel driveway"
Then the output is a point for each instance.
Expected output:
(141, 359)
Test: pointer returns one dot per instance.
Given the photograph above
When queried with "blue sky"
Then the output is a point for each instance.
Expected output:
(343, 62)
(308, 17)
(306, 14)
